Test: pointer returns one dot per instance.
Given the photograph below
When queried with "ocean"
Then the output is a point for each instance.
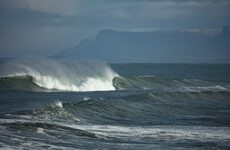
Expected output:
(63, 104)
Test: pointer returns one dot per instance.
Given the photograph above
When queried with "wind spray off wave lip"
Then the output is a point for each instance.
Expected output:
(152, 107)
(61, 75)
(52, 75)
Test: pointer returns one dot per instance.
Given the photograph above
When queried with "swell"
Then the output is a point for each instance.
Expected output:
(24, 82)
(32, 83)
(181, 108)
(154, 82)
(64, 75)
(51, 129)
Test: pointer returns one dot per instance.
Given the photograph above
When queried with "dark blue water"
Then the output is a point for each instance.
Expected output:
(147, 106)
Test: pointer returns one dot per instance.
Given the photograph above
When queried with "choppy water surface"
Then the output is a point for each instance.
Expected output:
(70, 105)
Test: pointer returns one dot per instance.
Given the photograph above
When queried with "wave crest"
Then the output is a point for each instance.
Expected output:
(63, 75)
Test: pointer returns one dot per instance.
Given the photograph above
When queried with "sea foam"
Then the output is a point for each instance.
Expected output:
(64, 75)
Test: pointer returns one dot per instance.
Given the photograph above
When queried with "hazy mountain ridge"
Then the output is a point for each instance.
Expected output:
(157, 46)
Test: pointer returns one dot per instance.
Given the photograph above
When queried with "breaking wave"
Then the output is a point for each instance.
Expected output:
(62, 75)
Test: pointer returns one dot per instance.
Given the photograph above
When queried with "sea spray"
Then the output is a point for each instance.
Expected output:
(183, 108)
(51, 75)
(62, 74)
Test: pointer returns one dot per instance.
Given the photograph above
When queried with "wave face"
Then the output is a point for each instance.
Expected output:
(182, 107)
(151, 108)
(149, 120)
(51, 75)
(157, 83)
(47, 75)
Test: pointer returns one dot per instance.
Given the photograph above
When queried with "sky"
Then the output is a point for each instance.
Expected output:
(45, 27)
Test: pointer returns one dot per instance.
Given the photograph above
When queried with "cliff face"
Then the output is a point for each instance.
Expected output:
(158, 46)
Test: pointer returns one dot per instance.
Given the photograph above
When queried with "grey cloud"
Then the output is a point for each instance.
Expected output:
(26, 23)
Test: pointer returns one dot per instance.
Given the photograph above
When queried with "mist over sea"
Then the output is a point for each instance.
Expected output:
(65, 104)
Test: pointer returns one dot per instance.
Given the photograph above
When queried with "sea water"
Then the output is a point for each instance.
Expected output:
(60, 104)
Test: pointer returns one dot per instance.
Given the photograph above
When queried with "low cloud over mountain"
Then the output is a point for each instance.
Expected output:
(159, 46)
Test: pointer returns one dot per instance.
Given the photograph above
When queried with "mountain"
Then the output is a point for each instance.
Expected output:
(157, 46)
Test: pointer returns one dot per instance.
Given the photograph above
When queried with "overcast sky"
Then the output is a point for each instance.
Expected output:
(45, 27)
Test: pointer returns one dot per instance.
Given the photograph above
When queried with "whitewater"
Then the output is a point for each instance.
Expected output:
(67, 104)
(62, 75)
